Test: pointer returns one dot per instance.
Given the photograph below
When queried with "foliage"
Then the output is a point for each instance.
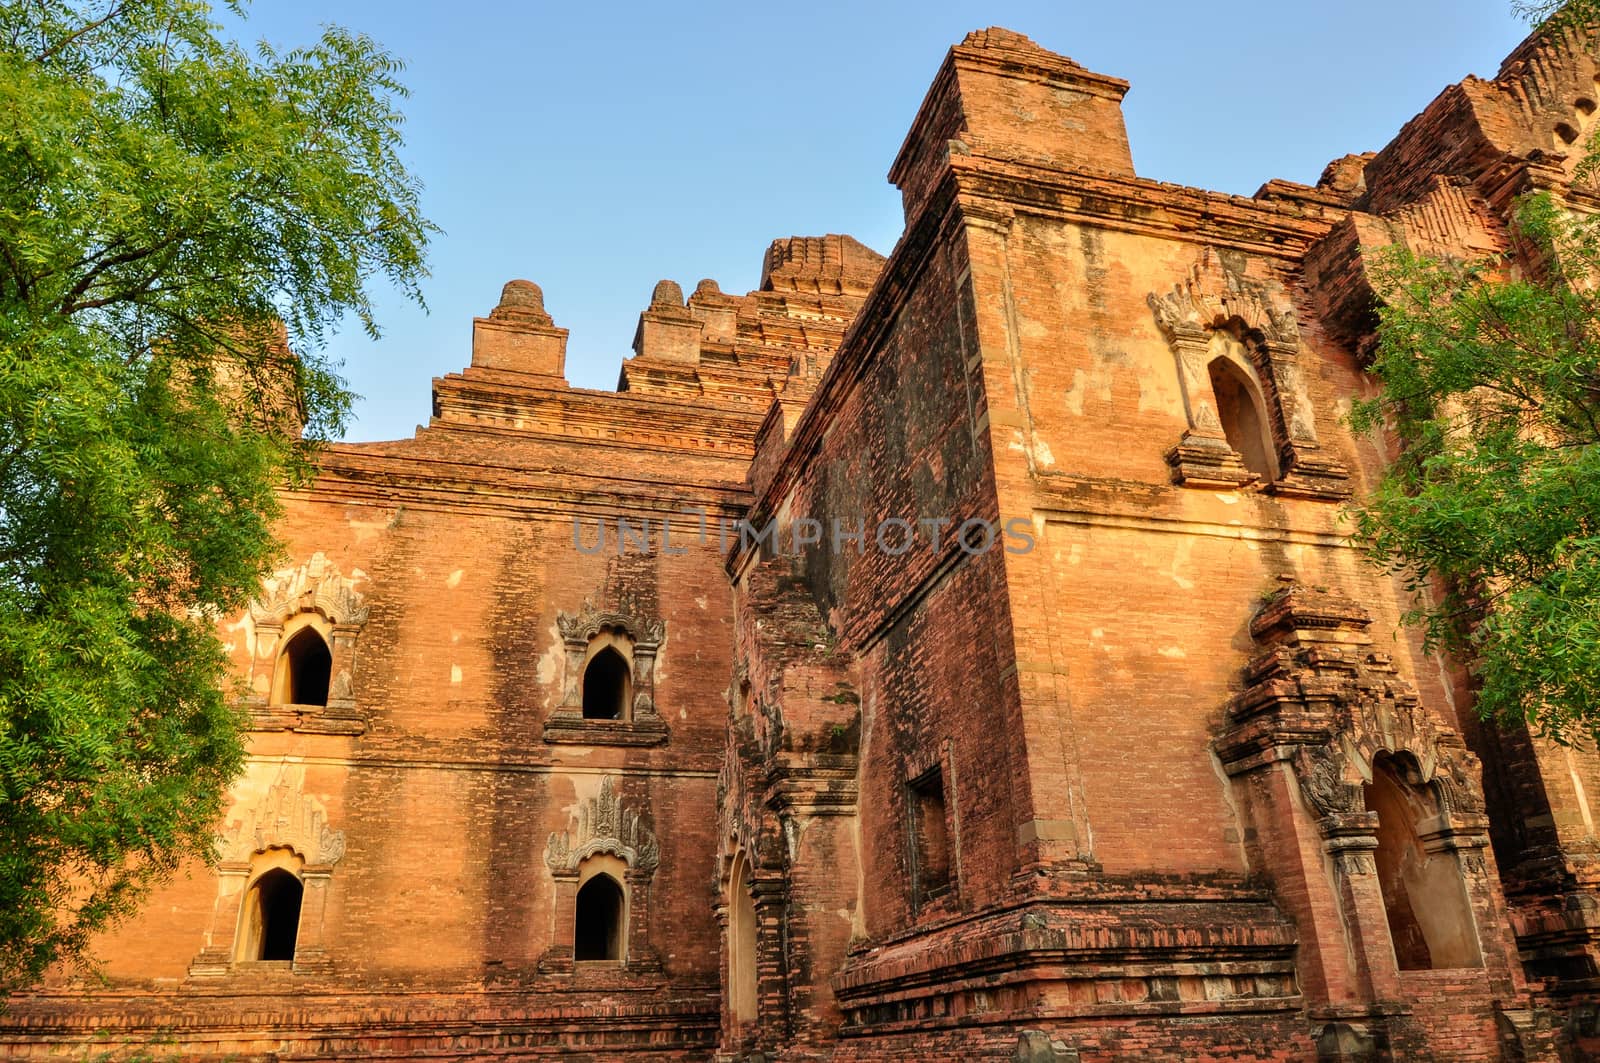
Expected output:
(1491, 512)
(1557, 14)
(166, 197)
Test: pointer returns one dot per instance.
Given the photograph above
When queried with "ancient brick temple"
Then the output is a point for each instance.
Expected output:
(1039, 711)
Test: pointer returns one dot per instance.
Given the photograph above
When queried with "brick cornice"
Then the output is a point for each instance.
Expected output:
(1279, 227)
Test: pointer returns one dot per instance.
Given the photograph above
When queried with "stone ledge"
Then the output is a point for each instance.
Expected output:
(575, 730)
(1078, 943)
(339, 717)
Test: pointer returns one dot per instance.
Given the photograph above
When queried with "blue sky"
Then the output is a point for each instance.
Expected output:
(597, 148)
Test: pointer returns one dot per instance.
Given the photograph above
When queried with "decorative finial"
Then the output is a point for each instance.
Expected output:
(521, 299)
(667, 293)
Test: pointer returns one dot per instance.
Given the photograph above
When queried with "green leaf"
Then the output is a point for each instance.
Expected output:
(182, 221)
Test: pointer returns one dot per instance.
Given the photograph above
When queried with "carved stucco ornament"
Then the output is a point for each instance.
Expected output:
(1215, 295)
(1210, 295)
(1325, 783)
(318, 585)
(643, 725)
(588, 622)
(1319, 688)
(284, 817)
(1459, 793)
(605, 825)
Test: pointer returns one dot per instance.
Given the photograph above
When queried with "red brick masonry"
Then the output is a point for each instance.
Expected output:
(1166, 786)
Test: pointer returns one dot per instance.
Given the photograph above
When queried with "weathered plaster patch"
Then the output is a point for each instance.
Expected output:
(1080, 381)
(1580, 793)
(548, 667)
(368, 529)
(1180, 560)
(246, 625)
(1229, 799)
(1096, 383)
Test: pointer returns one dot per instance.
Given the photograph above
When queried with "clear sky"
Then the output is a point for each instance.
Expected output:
(596, 148)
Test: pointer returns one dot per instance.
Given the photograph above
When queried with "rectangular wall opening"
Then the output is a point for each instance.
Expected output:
(931, 857)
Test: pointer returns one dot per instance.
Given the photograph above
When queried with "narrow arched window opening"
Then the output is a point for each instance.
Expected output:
(1424, 897)
(304, 668)
(598, 934)
(1240, 413)
(270, 919)
(741, 944)
(607, 686)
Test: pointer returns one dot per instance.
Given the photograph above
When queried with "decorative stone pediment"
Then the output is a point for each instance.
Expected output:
(1215, 312)
(284, 817)
(1321, 696)
(643, 725)
(338, 611)
(317, 585)
(605, 825)
(588, 622)
(1211, 296)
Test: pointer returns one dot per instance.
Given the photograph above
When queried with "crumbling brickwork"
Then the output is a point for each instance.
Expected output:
(1039, 710)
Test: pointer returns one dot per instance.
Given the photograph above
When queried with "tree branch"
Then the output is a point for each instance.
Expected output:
(51, 53)
(70, 304)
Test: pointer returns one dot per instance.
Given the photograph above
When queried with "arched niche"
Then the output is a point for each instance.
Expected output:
(1216, 311)
(1241, 413)
(608, 693)
(268, 927)
(742, 978)
(606, 686)
(600, 912)
(281, 829)
(296, 608)
(1424, 897)
(612, 840)
(1334, 751)
(303, 673)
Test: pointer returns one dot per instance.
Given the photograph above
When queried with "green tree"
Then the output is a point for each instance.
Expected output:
(166, 199)
(1557, 14)
(1491, 513)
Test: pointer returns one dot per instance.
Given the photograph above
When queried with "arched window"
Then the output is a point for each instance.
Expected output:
(304, 668)
(741, 943)
(600, 931)
(269, 921)
(607, 686)
(1240, 413)
(1423, 894)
